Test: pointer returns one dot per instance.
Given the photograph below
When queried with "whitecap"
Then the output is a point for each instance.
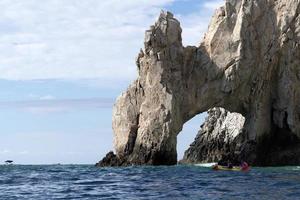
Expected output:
(205, 164)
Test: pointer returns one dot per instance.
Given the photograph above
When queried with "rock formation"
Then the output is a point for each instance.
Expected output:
(216, 137)
(248, 63)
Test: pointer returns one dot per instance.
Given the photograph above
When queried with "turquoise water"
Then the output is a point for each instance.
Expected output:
(175, 182)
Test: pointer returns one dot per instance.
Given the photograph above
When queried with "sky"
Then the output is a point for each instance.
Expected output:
(64, 62)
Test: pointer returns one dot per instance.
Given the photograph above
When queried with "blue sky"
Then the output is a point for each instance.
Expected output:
(64, 62)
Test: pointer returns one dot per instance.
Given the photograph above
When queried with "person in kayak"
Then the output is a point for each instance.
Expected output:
(244, 165)
(229, 165)
(237, 166)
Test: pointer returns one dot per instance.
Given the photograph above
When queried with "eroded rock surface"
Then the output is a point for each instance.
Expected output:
(248, 62)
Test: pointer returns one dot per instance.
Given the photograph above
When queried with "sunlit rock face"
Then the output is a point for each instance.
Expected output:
(248, 63)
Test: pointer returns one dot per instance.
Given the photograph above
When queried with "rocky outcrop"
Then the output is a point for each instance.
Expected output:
(216, 142)
(248, 63)
(216, 137)
(110, 160)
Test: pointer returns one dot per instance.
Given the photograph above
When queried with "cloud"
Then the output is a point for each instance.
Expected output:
(5, 151)
(39, 97)
(47, 97)
(194, 27)
(195, 24)
(57, 105)
(213, 4)
(74, 39)
(23, 152)
(11, 152)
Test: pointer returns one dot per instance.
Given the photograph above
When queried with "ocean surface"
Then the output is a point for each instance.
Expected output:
(175, 182)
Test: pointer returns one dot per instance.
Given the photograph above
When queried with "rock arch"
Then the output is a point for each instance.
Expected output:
(248, 62)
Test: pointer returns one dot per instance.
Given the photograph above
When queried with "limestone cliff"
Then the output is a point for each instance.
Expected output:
(248, 63)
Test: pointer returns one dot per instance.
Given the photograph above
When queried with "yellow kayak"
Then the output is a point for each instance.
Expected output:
(234, 168)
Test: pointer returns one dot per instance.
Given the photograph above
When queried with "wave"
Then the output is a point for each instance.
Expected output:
(205, 164)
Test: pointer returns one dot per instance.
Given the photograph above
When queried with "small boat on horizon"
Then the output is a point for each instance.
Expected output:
(9, 162)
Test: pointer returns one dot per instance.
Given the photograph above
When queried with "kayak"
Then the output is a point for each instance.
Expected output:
(234, 168)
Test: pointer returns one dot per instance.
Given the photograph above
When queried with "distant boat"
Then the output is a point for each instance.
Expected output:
(57, 164)
(9, 162)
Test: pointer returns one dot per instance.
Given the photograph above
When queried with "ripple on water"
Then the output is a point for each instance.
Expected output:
(176, 182)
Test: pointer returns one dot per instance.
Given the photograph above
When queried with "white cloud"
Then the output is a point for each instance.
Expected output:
(196, 24)
(23, 152)
(194, 27)
(39, 97)
(213, 4)
(57, 105)
(47, 97)
(46, 109)
(75, 39)
(4, 151)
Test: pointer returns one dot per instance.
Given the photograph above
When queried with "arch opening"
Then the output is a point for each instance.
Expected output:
(188, 134)
(216, 138)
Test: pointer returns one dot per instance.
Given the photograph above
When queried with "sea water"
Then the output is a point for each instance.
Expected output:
(173, 182)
